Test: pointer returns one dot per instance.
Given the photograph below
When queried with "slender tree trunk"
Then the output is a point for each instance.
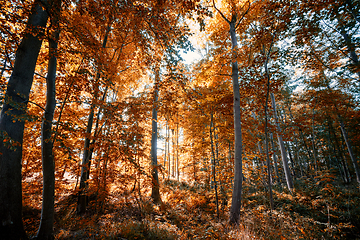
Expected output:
(266, 128)
(4, 64)
(46, 229)
(85, 168)
(214, 164)
(313, 141)
(291, 159)
(166, 140)
(282, 148)
(338, 154)
(173, 152)
(169, 155)
(12, 122)
(349, 147)
(275, 159)
(177, 151)
(155, 192)
(86, 160)
(297, 157)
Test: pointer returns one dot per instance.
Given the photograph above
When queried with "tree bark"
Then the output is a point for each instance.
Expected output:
(237, 188)
(46, 229)
(12, 123)
(282, 147)
(155, 191)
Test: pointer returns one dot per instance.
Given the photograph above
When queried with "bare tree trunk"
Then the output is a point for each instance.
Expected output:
(282, 148)
(349, 147)
(169, 155)
(177, 151)
(86, 161)
(238, 176)
(46, 229)
(291, 159)
(313, 141)
(155, 192)
(12, 123)
(266, 127)
(275, 159)
(214, 164)
(166, 140)
(4, 64)
(338, 154)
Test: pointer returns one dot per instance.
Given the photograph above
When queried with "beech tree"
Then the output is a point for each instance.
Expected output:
(46, 229)
(12, 120)
(155, 192)
(235, 20)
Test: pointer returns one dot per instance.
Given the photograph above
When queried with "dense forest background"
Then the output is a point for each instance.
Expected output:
(107, 133)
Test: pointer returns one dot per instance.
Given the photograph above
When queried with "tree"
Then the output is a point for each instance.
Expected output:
(282, 147)
(237, 188)
(155, 193)
(12, 120)
(46, 229)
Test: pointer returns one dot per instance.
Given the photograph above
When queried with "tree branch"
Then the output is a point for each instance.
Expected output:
(222, 15)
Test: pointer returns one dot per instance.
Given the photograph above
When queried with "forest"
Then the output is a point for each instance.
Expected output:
(110, 130)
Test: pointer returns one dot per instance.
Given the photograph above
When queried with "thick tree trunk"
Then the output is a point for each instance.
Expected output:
(282, 147)
(46, 229)
(237, 188)
(155, 191)
(12, 122)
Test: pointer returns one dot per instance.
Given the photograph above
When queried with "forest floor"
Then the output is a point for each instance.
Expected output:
(319, 209)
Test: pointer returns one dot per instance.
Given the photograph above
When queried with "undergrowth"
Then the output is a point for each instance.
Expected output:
(317, 209)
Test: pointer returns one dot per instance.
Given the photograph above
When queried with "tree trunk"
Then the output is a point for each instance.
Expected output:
(214, 164)
(338, 154)
(86, 160)
(237, 188)
(165, 155)
(177, 151)
(12, 122)
(46, 229)
(313, 141)
(282, 147)
(351, 49)
(168, 151)
(275, 159)
(155, 192)
(266, 127)
(4, 65)
(349, 147)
